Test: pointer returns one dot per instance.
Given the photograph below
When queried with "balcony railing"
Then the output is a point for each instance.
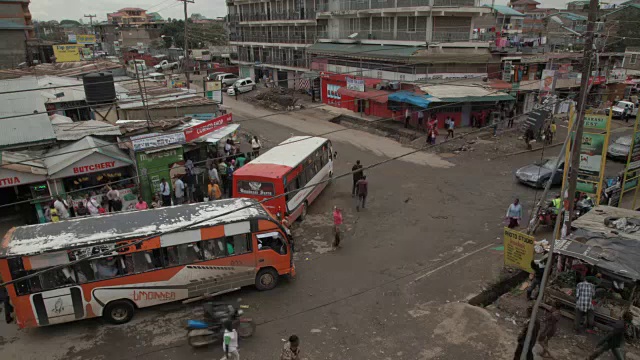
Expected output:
(412, 3)
(275, 16)
(274, 38)
(276, 60)
(383, 4)
(449, 36)
(453, 3)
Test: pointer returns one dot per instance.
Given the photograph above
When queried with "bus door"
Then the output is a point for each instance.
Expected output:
(273, 251)
(58, 305)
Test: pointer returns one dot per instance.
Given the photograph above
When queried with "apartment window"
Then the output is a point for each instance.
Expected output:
(387, 24)
(633, 59)
(406, 23)
(354, 24)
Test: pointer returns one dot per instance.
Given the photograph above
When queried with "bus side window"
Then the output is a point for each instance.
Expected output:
(146, 260)
(84, 272)
(56, 278)
(183, 254)
(238, 244)
(272, 242)
(213, 248)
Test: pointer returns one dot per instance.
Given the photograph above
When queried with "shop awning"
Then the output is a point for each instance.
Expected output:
(379, 96)
(84, 156)
(419, 100)
(20, 168)
(220, 134)
(462, 93)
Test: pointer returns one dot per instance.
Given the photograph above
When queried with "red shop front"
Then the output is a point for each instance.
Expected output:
(368, 102)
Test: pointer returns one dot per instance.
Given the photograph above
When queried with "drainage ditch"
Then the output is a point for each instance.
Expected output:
(490, 295)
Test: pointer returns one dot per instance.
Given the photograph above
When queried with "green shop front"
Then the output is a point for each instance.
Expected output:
(157, 164)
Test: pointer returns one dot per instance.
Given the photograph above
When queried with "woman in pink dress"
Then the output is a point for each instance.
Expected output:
(141, 204)
(337, 224)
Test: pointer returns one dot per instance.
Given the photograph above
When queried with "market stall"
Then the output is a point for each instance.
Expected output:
(604, 247)
(23, 182)
(87, 166)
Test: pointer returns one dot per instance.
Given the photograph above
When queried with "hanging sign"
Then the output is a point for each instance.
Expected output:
(207, 127)
(593, 150)
(518, 249)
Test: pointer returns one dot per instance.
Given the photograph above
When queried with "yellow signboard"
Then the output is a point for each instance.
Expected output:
(66, 52)
(85, 39)
(518, 249)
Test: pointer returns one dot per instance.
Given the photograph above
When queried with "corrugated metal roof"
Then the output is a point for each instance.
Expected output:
(571, 16)
(78, 130)
(25, 129)
(61, 158)
(361, 51)
(453, 93)
(75, 68)
(505, 10)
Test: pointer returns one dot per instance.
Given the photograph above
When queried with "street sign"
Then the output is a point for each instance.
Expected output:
(518, 249)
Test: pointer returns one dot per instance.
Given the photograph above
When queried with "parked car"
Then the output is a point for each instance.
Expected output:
(227, 79)
(537, 175)
(618, 109)
(619, 149)
(212, 76)
(243, 85)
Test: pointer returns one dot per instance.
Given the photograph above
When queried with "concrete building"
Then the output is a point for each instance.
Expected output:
(273, 38)
(131, 16)
(16, 29)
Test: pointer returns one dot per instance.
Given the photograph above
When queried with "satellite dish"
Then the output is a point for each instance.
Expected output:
(353, 36)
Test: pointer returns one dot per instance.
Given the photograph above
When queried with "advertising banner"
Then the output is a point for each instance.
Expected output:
(355, 84)
(518, 249)
(593, 154)
(66, 53)
(631, 175)
(213, 90)
(154, 140)
(548, 81)
(207, 127)
(85, 39)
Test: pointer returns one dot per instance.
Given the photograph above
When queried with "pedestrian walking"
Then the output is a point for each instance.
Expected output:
(165, 192)
(222, 171)
(337, 225)
(92, 205)
(584, 304)
(512, 117)
(112, 195)
(141, 204)
(213, 173)
(229, 185)
(407, 117)
(554, 128)
(53, 213)
(235, 92)
(291, 349)
(357, 175)
(69, 204)
(240, 160)
(614, 340)
(61, 207)
(450, 125)
(514, 213)
(625, 113)
(523, 335)
(256, 145)
(227, 147)
(474, 120)
(538, 272)
(213, 190)
(362, 191)
(420, 120)
(549, 328)
(179, 190)
(230, 342)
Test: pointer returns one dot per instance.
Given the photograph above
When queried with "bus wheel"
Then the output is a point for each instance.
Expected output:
(118, 312)
(266, 279)
(303, 213)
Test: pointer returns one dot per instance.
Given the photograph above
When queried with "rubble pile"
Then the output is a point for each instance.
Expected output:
(276, 98)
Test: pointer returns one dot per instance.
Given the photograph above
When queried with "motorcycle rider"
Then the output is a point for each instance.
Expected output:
(556, 204)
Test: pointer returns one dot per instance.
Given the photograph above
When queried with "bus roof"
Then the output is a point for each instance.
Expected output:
(78, 232)
(291, 151)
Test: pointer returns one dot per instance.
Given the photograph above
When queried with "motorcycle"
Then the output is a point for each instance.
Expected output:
(583, 206)
(546, 216)
(211, 329)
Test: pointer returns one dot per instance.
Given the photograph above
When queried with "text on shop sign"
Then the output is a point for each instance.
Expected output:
(94, 167)
(10, 181)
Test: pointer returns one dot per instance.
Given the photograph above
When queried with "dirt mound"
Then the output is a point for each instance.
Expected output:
(277, 98)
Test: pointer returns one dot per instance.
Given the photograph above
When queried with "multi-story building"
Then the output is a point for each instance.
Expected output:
(276, 38)
(130, 16)
(16, 29)
(534, 17)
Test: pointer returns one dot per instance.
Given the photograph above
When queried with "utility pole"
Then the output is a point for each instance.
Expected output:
(582, 104)
(142, 95)
(93, 33)
(186, 43)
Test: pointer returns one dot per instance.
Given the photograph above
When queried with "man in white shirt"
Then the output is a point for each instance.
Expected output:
(61, 207)
(165, 192)
(179, 191)
(213, 173)
(230, 343)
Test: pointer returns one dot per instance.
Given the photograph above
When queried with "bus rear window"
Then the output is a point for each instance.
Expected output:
(256, 188)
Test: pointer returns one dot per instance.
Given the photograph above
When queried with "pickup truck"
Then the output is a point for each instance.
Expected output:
(618, 109)
(166, 65)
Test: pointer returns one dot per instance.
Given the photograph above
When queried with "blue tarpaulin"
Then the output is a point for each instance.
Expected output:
(412, 98)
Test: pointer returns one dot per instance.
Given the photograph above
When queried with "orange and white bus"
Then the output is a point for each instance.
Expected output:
(295, 163)
(244, 247)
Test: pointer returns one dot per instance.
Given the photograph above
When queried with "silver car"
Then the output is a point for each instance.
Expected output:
(538, 174)
(619, 150)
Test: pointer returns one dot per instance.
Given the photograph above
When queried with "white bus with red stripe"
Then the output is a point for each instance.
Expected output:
(298, 166)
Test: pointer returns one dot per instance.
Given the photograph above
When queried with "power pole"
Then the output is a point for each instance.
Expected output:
(93, 33)
(580, 111)
(186, 42)
(142, 95)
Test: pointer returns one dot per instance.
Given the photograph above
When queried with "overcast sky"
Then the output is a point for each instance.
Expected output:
(75, 9)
